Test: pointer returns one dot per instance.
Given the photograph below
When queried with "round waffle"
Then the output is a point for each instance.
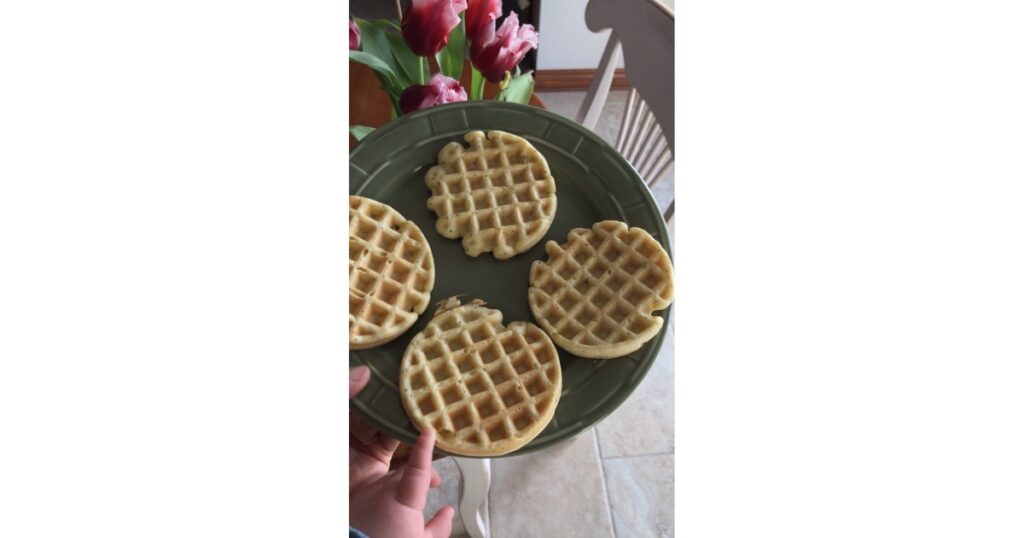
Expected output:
(497, 195)
(595, 295)
(485, 388)
(390, 273)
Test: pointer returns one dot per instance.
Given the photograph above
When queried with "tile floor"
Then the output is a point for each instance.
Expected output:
(613, 480)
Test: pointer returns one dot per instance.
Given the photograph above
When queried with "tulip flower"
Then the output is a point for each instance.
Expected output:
(427, 24)
(353, 35)
(503, 50)
(480, 17)
(438, 91)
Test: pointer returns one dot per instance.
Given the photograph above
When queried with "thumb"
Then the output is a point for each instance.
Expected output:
(358, 377)
(440, 526)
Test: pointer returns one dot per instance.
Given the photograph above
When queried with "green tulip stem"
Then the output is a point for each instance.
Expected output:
(476, 87)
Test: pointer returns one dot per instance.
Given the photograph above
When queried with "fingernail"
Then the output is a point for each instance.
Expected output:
(359, 373)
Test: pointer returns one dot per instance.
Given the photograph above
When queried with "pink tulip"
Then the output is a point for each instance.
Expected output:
(427, 24)
(353, 35)
(504, 49)
(438, 91)
(480, 17)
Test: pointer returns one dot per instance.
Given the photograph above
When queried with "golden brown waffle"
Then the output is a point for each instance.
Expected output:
(485, 388)
(497, 195)
(596, 293)
(390, 273)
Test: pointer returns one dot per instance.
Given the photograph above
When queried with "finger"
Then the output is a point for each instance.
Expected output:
(435, 479)
(412, 490)
(372, 438)
(389, 443)
(361, 429)
(440, 526)
(358, 377)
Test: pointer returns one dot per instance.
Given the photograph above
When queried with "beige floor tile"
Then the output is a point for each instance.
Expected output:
(557, 492)
(568, 104)
(664, 191)
(641, 494)
(643, 424)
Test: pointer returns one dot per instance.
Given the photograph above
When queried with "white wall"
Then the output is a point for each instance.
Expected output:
(565, 41)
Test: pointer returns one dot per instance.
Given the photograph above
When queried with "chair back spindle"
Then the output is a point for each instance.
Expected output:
(642, 32)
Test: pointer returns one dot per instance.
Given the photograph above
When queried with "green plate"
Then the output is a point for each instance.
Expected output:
(594, 183)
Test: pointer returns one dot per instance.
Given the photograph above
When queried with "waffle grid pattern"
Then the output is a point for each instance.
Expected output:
(498, 195)
(595, 295)
(390, 273)
(484, 388)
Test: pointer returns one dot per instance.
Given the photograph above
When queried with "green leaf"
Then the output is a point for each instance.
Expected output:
(519, 89)
(360, 131)
(476, 90)
(387, 76)
(407, 62)
(374, 41)
(452, 56)
(388, 81)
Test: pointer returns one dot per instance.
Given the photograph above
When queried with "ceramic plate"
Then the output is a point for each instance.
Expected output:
(593, 183)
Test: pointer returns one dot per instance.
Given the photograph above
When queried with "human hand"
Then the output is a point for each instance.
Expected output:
(369, 449)
(384, 503)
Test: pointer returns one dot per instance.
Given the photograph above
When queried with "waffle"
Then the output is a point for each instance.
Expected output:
(390, 273)
(485, 388)
(497, 195)
(596, 293)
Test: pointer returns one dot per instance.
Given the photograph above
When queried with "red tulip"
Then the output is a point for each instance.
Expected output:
(438, 91)
(427, 23)
(480, 17)
(502, 51)
(353, 35)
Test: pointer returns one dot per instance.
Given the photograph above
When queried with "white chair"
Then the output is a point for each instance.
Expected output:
(643, 32)
(476, 482)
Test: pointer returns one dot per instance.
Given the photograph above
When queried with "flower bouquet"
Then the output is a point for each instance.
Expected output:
(443, 30)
